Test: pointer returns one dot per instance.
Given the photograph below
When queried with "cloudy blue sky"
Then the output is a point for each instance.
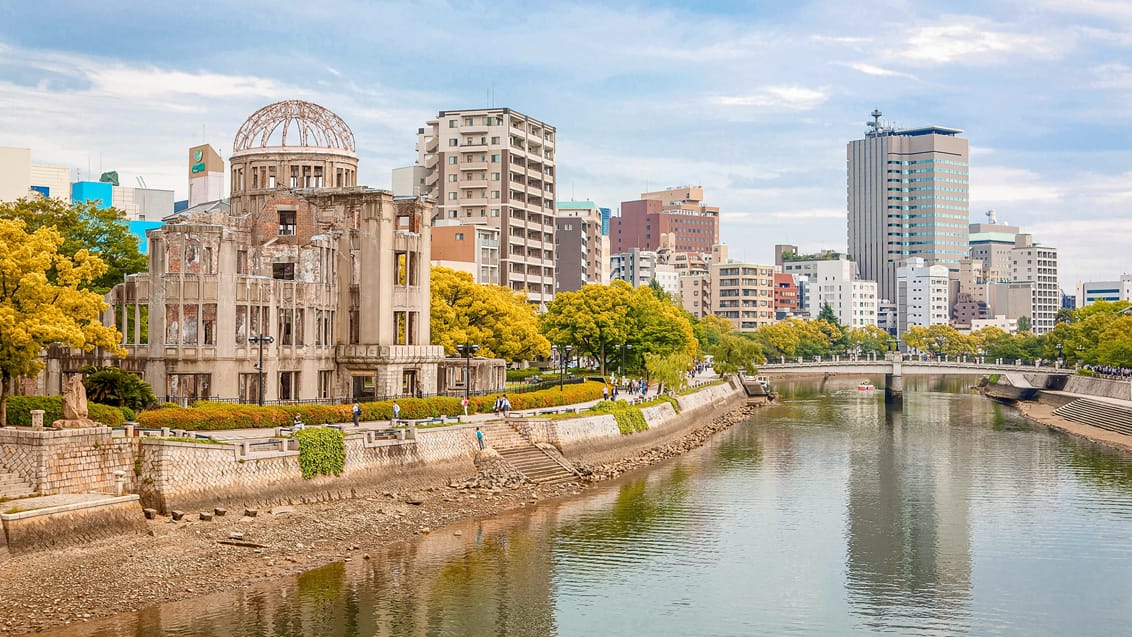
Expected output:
(753, 100)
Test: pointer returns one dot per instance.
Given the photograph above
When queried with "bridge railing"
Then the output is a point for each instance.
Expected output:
(981, 362)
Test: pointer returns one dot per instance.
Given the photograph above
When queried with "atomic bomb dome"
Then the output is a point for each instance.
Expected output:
(294, 124)
(293, 144)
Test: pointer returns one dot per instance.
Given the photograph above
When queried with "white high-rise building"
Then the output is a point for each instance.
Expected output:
(1093, 291)
(1037, 264)
(921, 295)
(831, 279)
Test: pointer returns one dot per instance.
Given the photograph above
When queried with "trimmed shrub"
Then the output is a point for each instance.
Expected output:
(208, 416)
(20, 407)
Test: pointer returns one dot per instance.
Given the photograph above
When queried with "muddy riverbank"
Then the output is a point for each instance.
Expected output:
(180, 560)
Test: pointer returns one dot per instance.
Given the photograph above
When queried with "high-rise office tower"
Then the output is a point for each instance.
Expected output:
(907, 199)
(496, 166)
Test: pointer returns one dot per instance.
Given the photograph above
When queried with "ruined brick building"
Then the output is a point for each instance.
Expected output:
(335, 273)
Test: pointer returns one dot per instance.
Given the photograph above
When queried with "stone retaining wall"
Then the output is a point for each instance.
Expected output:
(596, 439)
(191, 477)
(68, 460)
(69, 525)
(1099, 387)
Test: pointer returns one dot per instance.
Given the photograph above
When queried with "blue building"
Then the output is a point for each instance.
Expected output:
(98, 192)
(139, 228)
(606, 213)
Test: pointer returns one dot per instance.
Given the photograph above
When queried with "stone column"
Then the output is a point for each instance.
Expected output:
(894, 384)
(37, 419)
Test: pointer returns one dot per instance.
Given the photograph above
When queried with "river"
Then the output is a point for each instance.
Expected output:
(829, 514)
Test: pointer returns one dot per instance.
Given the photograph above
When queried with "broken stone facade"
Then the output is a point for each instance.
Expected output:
(336, 274)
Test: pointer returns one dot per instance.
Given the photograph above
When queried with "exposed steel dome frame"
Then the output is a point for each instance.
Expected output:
(316, 127)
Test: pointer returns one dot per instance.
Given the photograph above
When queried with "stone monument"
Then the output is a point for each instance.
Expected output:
(75, 414)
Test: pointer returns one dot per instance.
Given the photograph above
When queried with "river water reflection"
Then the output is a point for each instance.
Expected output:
(827, 515)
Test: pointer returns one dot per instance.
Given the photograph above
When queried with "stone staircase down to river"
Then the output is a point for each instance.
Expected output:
(535, 463)
(1097, 414)
(13, 486)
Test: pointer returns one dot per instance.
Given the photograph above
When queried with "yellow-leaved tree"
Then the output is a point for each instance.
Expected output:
(496, 318)
(42, 302)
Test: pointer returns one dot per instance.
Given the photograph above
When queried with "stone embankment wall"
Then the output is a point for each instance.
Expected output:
(596, 439)
(191, 476)
(71, 525)
(68, 460)
(1099, 387)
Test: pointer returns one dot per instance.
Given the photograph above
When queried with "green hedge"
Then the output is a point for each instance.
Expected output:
(20, 407)
(207, 416)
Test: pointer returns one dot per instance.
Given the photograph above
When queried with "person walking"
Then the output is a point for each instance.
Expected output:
(505, 405)
(297, 423)
(479, 438)
(604, 392)
(357, 411)
(396, 413)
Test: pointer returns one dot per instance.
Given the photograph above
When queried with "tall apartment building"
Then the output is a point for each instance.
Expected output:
(921, 296)
(743, 293)
(471, 248)
(831, 279)
(679, 211)
(907, 198)
(1037, 264)
(581, 250)
(991, 243)
(497, 166)
(786, 301)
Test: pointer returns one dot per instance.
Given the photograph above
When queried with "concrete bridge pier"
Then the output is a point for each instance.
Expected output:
(894, 384)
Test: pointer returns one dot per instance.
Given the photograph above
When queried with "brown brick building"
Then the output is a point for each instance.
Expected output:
(679, 211)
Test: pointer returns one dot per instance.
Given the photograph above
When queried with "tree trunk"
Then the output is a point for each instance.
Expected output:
(603, 358)
(5, 380)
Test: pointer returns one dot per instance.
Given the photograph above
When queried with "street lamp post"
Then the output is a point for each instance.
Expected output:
(467, 349)
(621, 370)
(1060, 361)
(563, 355)
(260, 340)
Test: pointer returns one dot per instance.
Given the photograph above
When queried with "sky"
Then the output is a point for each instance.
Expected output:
(753, 100)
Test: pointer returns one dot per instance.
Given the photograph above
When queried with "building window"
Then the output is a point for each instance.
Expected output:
(286, 222)
(459, 236)
(495, 140)
(325, 383)
(453, 160)
(495, 212)
(283, 271)
(452, 196)
(495, 194)
(452, 123)
(495, 176)
(453, 142)
(288, 385)
(495, 158)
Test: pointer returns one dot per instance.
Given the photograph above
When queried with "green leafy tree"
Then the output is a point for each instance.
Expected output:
(1115, 345)
(1024, 324)
(115, 386)
(496, 318)
(734, 352)
(83, 226)
(827, 314)
(710, 330)
(671, 369)
(868, 339)
(45, 300)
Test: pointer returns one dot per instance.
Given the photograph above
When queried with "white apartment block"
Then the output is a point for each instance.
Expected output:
(497, 166)
(636, 267)
(921, 295)
(743, 293)
(833, 281)
(1092, 291)
(1037, 264)
(695, 293)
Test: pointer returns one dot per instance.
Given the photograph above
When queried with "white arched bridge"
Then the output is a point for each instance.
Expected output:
(895, 368)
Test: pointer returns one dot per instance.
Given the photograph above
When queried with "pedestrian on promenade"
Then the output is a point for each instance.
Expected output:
(396, 413)
(505, 405)
(464, 404)
(604, 392)
(357, 411)
(297, 423)
(479, 438)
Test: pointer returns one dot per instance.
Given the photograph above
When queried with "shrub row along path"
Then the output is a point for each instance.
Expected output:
(182, 560)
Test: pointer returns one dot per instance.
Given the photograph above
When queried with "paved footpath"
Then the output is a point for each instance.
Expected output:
(240, 435)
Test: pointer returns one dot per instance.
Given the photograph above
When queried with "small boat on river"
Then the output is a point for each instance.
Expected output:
(866, 385)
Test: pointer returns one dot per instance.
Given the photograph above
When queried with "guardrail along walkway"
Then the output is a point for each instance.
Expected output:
(1097, 414)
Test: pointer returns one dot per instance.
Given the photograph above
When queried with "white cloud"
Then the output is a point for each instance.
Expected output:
(791, 98)
(992, 185)
(1113, 75)
(869, 69)
(973, 41)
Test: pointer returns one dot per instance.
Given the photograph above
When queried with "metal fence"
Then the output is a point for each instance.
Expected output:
(185, 401)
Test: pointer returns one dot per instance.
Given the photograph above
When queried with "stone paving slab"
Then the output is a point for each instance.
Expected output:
(45, 501)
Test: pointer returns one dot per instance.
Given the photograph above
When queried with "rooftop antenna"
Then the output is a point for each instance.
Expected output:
(877, 129)
(991, 218)
(141, 182)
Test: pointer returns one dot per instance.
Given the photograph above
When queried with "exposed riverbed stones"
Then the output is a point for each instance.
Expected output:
(178, 561)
